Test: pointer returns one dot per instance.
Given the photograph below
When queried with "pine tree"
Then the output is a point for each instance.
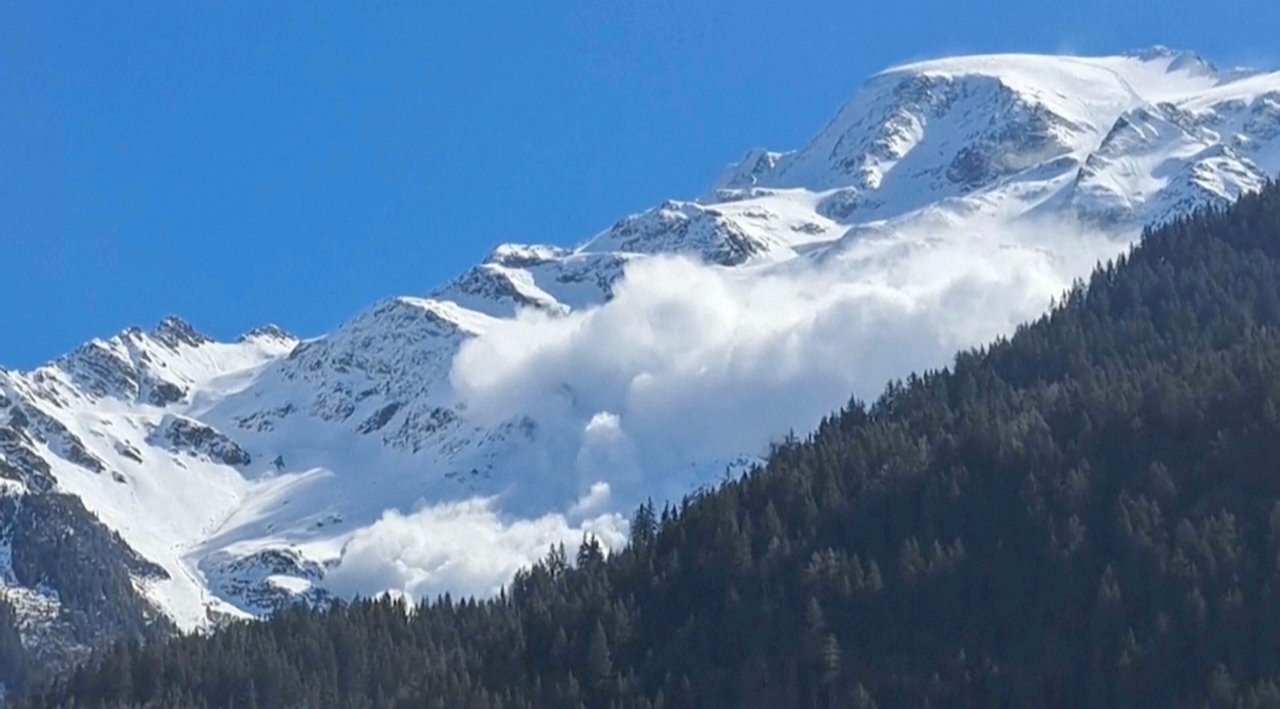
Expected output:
(599, 660)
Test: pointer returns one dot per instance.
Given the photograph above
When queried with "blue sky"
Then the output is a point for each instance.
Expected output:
(240, 163)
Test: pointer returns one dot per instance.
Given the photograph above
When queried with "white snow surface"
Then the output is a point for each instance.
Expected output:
(439, 443)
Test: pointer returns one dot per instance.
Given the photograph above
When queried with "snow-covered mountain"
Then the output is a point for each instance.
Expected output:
(439, 442)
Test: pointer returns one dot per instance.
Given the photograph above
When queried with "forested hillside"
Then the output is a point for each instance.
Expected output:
(1085, 514)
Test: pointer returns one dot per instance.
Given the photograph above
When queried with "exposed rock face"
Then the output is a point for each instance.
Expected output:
(175, 332)
(682, 228)
(185, 435)
(268, 332)
(32, 425)
(380, 418)
(757, 165)
(71, 579)
(842, 205)
(20, 463)
(165, 393)
(491, 284)
(102, 370)
(265, 581)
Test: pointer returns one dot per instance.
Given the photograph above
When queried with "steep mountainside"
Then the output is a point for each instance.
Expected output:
(952, 197)
(1085, 514)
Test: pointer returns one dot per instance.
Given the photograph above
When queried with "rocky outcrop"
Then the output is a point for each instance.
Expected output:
(176, 332)
(681, 228)
(265, 581)
(184, 435)
(380, 418)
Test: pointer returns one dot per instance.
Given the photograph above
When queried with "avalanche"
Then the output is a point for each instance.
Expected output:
(439, 442)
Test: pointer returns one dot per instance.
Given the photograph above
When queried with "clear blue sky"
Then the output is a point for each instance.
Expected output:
(240, 163)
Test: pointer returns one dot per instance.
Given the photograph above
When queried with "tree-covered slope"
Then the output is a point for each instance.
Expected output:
(561, 385)
(1087, 513)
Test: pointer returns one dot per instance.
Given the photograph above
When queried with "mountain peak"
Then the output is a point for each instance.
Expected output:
(1175, 60)
(267, 332)
(174, 331)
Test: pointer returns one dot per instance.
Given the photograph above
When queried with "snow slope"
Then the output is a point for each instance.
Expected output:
(439, 442)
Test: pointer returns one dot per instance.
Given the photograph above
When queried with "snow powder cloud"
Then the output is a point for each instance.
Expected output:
(689, 366)
(465, 548)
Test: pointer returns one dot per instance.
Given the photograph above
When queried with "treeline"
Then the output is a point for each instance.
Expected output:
(1087, 513)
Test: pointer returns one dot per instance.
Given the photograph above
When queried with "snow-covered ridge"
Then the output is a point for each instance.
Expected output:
(548, 388)
(944, 128)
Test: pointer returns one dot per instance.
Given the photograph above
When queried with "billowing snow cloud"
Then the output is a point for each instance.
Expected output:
(690, 367)
(691, 363)
(465, 548)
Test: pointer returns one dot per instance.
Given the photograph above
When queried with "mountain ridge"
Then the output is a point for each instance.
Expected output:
(245, 469)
